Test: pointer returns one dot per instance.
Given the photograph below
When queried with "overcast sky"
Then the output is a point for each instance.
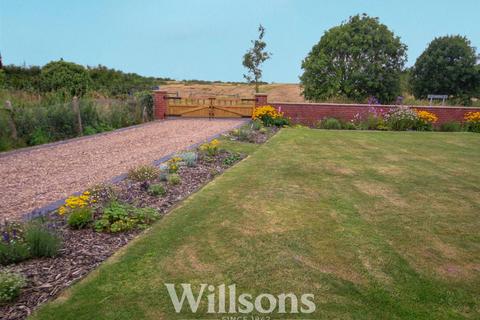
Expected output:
(205, 39)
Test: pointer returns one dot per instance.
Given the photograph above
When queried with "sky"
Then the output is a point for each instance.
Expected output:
(206, 39)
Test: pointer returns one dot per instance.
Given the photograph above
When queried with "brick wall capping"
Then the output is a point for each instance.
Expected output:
(327, 104)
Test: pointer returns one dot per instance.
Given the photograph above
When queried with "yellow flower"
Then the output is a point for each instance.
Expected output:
(472, 116)
(427, 116)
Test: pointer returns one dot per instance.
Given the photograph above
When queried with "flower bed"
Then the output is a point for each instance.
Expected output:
(109, 216)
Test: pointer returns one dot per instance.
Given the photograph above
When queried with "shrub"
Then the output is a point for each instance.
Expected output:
(156, 190)
(79, 218)
(330, 124)
(210, 148)
(452, 126)
(119, 217)
(348, 125)
(10, 286)
(143, 173)
(42, 241)
(190, 158)
(174, 179)
(401, 119)
(269, 116)
(231, 159)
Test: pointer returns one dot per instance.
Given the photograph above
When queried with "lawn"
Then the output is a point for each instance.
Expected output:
(377, 225)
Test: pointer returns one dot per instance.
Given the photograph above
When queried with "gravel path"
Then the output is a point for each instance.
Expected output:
(36, 177)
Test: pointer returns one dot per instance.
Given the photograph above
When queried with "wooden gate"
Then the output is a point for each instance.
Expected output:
(210, 107)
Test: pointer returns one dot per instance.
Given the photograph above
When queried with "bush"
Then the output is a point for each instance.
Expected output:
(452, 126)
(174, 179)
(143, 173)
(330, 124)
(10, 286)
(80, 218)
(401, 119)
(119, 217)
(157, 190)
(42, 241)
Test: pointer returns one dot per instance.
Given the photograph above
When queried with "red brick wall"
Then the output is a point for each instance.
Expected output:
(160, 104)
(311, 113)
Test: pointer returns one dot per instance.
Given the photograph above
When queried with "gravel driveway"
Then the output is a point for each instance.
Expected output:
(35, 177)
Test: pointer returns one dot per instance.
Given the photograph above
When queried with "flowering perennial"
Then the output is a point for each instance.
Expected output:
(73, 202)
(266, 111)
(426, 116)
(210, 148)
(472, 116)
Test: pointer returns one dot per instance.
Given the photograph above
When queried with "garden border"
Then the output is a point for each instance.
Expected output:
(42, 211)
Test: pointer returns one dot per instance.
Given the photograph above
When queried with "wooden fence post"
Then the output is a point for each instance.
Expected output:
(76, 110)
(11, 120)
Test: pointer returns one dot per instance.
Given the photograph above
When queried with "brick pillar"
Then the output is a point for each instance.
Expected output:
(261, 99)
(160, 104)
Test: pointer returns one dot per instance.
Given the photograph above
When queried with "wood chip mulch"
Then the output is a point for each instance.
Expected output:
(84, 250)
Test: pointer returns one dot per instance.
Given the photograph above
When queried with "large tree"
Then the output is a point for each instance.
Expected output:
(254, 58)
(358, 59)
(447, 66)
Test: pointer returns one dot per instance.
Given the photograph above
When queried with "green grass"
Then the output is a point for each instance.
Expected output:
(378, 225)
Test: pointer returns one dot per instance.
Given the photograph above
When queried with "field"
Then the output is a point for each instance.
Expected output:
(285, 92)
(377, 225)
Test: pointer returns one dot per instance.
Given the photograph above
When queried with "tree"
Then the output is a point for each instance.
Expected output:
(447, 66)
(253, 59)
(358, 59)
(73, 79)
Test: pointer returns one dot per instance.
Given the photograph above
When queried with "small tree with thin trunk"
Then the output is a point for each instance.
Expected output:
(253, 59)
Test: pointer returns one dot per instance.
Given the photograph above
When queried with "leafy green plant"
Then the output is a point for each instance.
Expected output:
(80, 218)
(143, 173)
(11, 285)
(231, 159)
(452, 126)
(174, 179)
(13, 252)
(42, 241)
(330, 124)
(118, 217)
(157, 190)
